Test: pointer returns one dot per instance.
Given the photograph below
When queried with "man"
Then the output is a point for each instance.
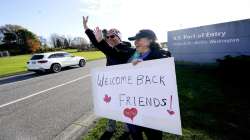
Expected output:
(115, 43)
(113, 38)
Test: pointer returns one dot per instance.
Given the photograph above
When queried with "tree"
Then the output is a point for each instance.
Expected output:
(43, 41)
(69, 42)
(10, 38)
(54, 40)
(9, 28)
(34, 45)
(30, 41)
(66, 43)
(80, 43)
(17, 40)
(57, 41)
(1, 38)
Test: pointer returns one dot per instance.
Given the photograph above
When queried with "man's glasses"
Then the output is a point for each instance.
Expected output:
(112, 36)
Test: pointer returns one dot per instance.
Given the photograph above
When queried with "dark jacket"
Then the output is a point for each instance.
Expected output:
(121, 53)
(156, 53)
(115, 55)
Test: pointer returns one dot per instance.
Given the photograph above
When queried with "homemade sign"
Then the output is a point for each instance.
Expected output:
(144, 94)
(205, 44)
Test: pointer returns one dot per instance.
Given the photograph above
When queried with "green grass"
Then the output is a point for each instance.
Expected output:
(17, 64)
(188, 133)
(13, 65)
(199, 95)
(91, 55)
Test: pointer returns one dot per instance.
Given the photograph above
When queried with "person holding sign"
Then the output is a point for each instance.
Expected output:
(113, 37)
(146, 49)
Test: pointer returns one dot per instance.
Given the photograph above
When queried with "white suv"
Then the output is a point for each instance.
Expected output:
(53, 61)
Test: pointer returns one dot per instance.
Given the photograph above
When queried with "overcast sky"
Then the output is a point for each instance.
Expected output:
(64, 17)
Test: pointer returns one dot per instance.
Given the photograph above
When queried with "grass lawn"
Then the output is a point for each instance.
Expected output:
(17, 64)
(92, 55)
(198, 94)
(188, 133)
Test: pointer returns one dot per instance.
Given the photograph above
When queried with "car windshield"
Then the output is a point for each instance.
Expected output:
(36, 57)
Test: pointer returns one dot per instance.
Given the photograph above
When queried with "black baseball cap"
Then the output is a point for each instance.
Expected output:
(145, 33)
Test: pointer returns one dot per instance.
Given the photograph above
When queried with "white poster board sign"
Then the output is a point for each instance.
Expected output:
(144, 94)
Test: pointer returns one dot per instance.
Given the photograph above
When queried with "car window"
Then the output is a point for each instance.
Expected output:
(57, 55)
(60, 55)
(53, 56)
(66, 55)
(36, 57)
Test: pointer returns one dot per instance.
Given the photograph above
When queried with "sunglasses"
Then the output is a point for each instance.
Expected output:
(112, 36)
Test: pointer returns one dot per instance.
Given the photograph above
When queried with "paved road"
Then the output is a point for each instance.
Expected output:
(40, 107)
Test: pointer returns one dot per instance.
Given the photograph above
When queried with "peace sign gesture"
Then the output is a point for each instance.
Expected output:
(85, 22)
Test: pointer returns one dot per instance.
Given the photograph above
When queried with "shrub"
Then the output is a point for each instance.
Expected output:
(234, 76)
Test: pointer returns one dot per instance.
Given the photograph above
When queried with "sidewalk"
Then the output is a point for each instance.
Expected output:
(78, 128)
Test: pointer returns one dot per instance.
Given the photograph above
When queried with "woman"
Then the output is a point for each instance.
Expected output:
(146, 49)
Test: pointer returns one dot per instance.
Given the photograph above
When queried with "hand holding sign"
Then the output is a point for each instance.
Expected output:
(135, 62)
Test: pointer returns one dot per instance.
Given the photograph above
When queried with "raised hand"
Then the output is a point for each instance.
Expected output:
(98, 34)
(85, 22)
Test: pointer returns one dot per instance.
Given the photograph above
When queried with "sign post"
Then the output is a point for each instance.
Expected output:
(205, 44)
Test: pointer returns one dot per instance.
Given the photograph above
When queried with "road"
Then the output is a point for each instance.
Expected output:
(40, 107)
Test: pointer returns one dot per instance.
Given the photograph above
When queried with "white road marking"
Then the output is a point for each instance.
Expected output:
(40, 92)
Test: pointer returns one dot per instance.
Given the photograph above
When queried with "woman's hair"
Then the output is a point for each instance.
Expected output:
(155, 45)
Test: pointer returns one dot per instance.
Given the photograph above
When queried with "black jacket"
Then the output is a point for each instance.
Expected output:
(121, 53)
(115, 55)
(156, 53)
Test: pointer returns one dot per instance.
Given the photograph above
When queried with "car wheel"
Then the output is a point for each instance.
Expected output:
(56, 68)
(82, 63)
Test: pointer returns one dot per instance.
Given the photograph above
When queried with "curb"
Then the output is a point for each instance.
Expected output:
(78, 128)
(25, 73)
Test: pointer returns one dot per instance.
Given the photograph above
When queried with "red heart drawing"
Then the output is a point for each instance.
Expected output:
(107, 98)
(130, 113)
